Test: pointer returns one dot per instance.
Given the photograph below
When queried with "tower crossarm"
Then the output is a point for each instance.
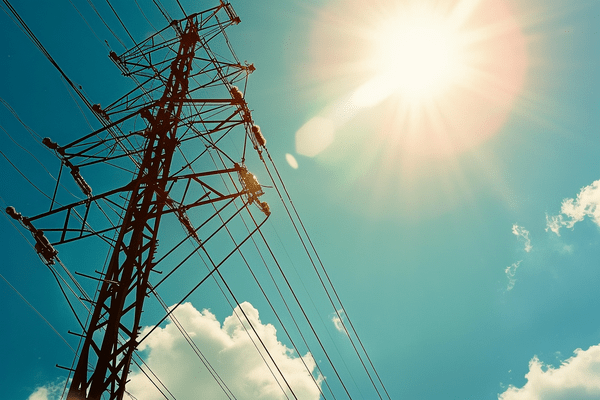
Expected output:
(87, 218)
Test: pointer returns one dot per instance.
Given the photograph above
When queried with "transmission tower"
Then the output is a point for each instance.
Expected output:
(190, 151)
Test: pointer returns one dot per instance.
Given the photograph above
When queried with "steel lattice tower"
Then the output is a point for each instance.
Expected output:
(183, 93)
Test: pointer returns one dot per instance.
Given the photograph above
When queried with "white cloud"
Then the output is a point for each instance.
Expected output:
(51, 391)
(576, 379)
(231, 353)
(566, 249)
(41, 393)
(554, 223)
(337, 320)
(522, 234)
(510, 271)
(572, 211)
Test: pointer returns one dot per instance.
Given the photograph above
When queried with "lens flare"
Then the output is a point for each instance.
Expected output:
(445, 72)
(291, 160)
(410, 85)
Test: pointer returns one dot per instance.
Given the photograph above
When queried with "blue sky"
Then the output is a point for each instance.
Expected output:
(459, 221)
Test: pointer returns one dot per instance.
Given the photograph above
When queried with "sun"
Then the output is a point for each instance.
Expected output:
(409, 86)
(417, 54)
(419, 57)
(436, 77)
(415, 59)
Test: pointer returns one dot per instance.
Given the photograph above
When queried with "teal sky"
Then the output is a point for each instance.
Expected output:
(469, 272)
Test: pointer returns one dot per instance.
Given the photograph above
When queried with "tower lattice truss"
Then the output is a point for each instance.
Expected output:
(171, 153)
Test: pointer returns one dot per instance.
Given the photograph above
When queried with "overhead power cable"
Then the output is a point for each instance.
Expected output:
(332, 287)
(105, 24)
(30, 153)
(24, 176)
(88, 24)
(33, 133)
(144, 15)
(276, 286)
(181, 7)
(257, 335)
(120, 20)
(27, 151)
(310, 324)
(163, 11)
(29, 33)
(224, 224)
(188, 338)
(38, 313)
(41, 47)
(300, 306)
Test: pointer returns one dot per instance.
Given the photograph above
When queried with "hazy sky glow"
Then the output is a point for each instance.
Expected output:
(448, 73)
(443, 157)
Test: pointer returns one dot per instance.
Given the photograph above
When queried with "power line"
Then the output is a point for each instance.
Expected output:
(38, 313)
(27, 151)
(24, 176)
(105, 24)
(224, 224)
(42, 49)
(278, 290)
(297, 302)
(121, 21)
(331, 285)
(29, 33)
(33, 133)
(188, 338)
(88, 24)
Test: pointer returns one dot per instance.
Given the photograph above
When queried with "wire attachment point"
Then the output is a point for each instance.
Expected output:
(42, 245)
(74, 169)
(254, 189)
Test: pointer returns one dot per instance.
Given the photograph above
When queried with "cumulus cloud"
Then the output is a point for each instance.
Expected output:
(41, 393)
(338, 322)
(572, 211)
(510, 272)
(231, 352)
(576, 379)
(522, 234)
(51, 391)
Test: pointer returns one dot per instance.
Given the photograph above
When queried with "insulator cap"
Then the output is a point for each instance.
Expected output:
(236, 93)
(260, 139)
(97, 108)
(53, 145)
(264, 207)
(114, 57)
(13, 213)
(49, 143)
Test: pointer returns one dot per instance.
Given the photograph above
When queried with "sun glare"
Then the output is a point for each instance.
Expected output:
(418, 56)
(444, 72)
(410, 85)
